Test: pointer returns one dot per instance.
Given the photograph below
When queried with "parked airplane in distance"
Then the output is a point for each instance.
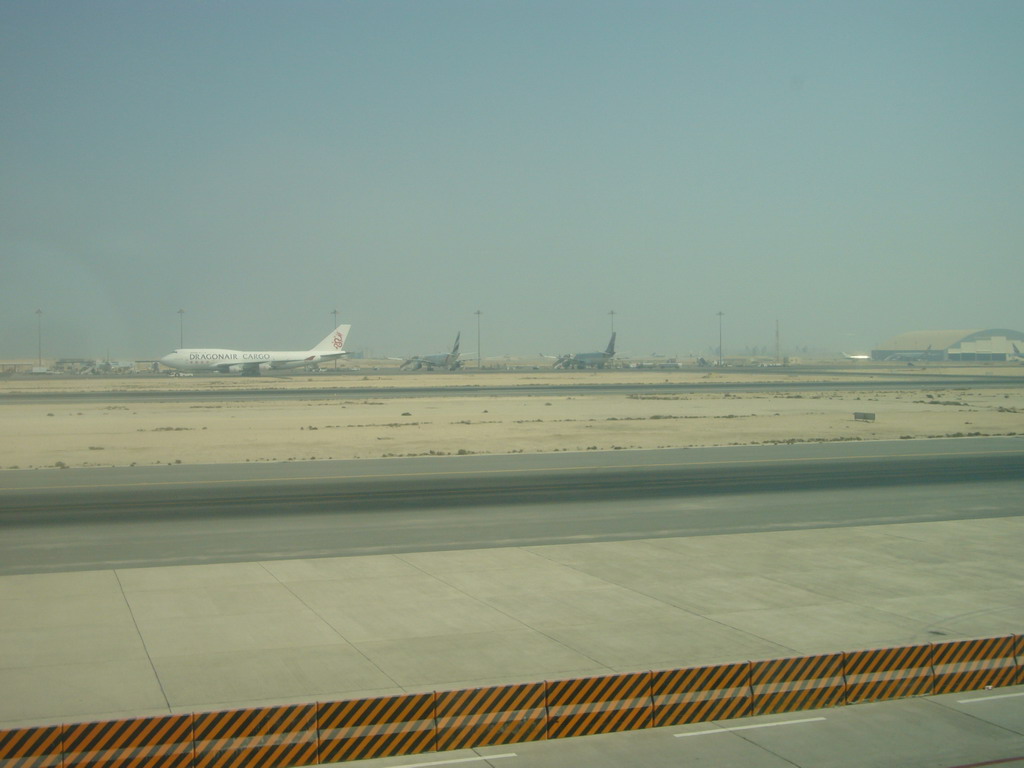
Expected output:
(856, 357)
(449, 361)
(588, 359)
(254, 363)
(907, 357)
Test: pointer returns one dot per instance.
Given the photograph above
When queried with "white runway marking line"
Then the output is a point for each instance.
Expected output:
(459, 760)
(748, 727)
(990, 698)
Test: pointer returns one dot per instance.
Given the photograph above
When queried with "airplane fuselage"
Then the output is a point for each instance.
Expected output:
(430, 362)
(588, 359)
(449, 361)
(238, 361)
(254, 363)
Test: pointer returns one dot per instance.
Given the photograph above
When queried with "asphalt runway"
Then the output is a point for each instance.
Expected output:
(476, 386)
(60, 520)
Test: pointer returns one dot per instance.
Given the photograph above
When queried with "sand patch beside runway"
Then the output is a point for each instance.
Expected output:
(334, 426)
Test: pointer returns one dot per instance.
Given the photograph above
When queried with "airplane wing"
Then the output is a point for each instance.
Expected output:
(279, 363)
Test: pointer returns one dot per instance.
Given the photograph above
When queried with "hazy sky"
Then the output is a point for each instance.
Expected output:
(852, 169)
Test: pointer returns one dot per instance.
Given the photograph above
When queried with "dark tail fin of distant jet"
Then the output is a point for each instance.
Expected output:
(611, 346)
(453, 361)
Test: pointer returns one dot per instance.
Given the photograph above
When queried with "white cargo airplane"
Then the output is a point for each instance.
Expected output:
(253, 363)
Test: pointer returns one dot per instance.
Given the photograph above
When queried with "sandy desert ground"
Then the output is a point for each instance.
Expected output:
(335, 426)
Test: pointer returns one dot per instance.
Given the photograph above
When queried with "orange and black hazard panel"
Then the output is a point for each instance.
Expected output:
(145, 742)
(267, 737)
(365, 728)
(804, 682)
(888, 673)
(971, 665)
(599, 705)
(697, 694)
(31, 747)
(1018, 653)
(499, 715)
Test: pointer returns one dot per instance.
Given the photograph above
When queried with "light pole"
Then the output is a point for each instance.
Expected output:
(612, 315)
(181, 329)
(478, 358)
(39, 323)
(720, 313)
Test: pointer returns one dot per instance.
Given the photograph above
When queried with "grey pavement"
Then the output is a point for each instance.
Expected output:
(128, 642)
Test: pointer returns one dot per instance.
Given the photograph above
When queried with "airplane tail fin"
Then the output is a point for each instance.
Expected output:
(452, 360)
(611, 346)
(333, 343)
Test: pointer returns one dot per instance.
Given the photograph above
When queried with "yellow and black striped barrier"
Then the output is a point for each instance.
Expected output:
(310, 734)
(365, 728)
(32, 747)
(268, 737)
(144, 742)
(888, 673)
(599, 705)
(1018, 653)
(699, 694)
(802, 682)
(971, 665)
(500, 715)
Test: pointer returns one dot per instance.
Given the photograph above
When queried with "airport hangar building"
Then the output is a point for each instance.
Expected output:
(988, 345)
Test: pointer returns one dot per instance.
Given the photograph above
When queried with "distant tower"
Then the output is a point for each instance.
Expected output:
(39, 323)
(478, 357)
(720, 355)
